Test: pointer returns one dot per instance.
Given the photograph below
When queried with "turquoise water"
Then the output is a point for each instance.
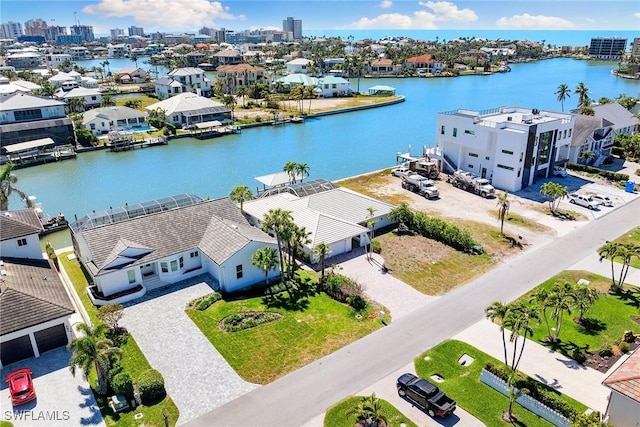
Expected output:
(335, 146)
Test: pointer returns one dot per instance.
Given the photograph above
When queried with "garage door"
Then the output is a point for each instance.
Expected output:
(50, 338)
(16, 350)
(337, 248)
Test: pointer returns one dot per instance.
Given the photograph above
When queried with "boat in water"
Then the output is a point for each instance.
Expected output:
(49, 224)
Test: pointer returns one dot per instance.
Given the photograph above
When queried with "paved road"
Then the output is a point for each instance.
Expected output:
(307, 392)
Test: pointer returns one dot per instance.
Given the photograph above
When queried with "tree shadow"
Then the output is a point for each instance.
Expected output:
(590, 326)
(630, 297)
(292, 297)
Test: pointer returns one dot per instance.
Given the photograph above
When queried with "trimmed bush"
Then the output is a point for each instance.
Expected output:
(611, 176)
(204, 302)
(375, 246)
(624, 346)
(605, 351)
(151, 387)
(250, 319)
(341, 288)
(122, 384)
(579, 355)
(357, 302)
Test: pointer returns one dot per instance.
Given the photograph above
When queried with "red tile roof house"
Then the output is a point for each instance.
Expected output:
(624, 403)
(424, 63)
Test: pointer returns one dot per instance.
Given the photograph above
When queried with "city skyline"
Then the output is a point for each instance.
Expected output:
(191, 15)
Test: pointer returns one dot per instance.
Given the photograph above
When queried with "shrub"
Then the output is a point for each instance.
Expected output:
(624, 347)
(204, 302)
(249, 319)
(375, 246)
(357, 302)
(341, 288)
(611, 176)
(122, 384)
(579, 355)
(151, 387)
(605, 351)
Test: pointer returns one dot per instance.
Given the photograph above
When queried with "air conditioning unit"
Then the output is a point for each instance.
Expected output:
(527, 118)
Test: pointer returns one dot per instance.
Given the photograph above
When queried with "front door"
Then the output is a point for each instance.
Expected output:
(148, 270)
(484, 173)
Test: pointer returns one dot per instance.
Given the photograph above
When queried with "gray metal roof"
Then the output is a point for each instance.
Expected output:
(24, 100)
(31, 293)
(113, 113)
(28, 145)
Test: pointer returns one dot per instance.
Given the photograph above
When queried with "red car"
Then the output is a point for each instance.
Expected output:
(21, 386)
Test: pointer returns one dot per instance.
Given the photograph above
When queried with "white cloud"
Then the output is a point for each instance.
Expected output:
(537, 22)
(386, 4)
(166, 14)
(447, 11)
(420, 19)
(637, 15)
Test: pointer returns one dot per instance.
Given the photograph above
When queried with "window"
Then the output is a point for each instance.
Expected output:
(22, 242)
(93, 126)
(194, 254)
(27, 115)
(164, 267)
(94, 98)
(487, 158)
(132, 276)
(181, 262)
(519, 170)
(509, 168)
(521, 154)
(570, 133)
(469, 132)
(473, 155)
(239, 271)
(470, 166)
(508, 152)
(174, 265)
(455, 132)
(441, 130)
(564, 134)
(545, 146)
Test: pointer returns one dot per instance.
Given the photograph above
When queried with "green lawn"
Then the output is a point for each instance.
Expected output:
(462, 383)
(145, 101)
(632, 236)
(264, 353)
(611, 313)
(133, 360)
(336, 415)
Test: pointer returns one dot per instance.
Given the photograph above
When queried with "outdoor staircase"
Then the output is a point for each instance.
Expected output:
(599, 161)
(153, 282)
(438, 154)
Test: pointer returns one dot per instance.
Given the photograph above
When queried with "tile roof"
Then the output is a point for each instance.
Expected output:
(184, 102)
(20, 223)
(625, 379)
(31, 293)
(216, 227)
(112, 113)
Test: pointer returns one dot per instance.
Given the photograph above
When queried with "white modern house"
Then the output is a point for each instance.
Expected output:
(333, 215)
(513, 147)
(92, 97)
(298, 66)
(103, 120)
(130, 250)
(182, 80)
(187, 109)
(332, 86)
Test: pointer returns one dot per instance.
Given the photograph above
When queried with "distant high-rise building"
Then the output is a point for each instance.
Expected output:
(293, 26)
(635, 47)
(35, 27)
(116, 33)
(607, 47)
(220, 36)
(51, 32)
(136, 31)
(84, 31)
(208, 31)
(11, 30)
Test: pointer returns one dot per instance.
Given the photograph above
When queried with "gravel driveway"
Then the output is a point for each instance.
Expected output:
(196, 376)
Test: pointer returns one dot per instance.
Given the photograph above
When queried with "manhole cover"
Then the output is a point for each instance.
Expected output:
(465, 360)
(437, 378)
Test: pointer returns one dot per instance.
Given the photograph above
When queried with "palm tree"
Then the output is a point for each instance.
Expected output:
(368, 411)
(299, 238)
(503, 209)
(276, 220)
(107, 100)
(240, 194)
(92, 350)
(229, 101)
(560, 300)
(626, 252)
(242, 92)
(539, 299)
(266, 259)
(588, 156)
(290, 169)
(584, 298)
(583, 94)
(321, 250)
(370, 223)
(302, 170)
(76, 105)
(609, 251)
(498, 311)
(563, 93)
(7, 186)
(519, 319)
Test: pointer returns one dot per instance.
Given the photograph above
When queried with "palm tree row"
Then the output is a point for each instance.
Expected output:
(563, 92)
(296, 170)
(7, 186)
(623, 252)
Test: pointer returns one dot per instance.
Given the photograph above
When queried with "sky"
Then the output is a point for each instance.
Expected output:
(176, 16)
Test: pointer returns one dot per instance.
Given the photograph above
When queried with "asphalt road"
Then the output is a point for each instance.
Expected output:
(309, 391)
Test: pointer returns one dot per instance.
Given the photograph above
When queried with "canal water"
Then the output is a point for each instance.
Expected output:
(334, 146)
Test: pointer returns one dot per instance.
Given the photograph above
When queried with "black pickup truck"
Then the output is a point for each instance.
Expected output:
(425, 395)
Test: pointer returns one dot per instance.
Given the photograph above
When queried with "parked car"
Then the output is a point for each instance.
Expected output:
(603, 200)
(21, 388)
(558, 171)
(425, 395)
(584, 200)
(400, 171)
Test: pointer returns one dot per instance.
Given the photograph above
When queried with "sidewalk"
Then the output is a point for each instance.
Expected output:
(551, 368)
(592, 263)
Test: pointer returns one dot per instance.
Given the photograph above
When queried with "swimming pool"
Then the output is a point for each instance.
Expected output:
(138, 128)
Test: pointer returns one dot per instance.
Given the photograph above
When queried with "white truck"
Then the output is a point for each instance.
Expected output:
(470, 182)
(421, 185)
(584, 200)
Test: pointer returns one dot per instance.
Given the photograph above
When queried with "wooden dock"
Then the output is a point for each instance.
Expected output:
(125, 142)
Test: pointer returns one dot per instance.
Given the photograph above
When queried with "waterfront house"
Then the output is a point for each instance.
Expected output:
(298, 66)
(623, 408)
(25, 60)
(241, 75)
(103, 120)
(292, 80)
(117, 50)
(60, 79)
(58, 60)
(181, 80)
(131, 75)
(424, 63)
(591, 134)
(228, 57)
(8, 87)
(92, 97)
(19, 234)
(334, 215)
(26, 117)
(128, 251)
(187, 109)
(334, 86)
(34, 308)
(622, 120)
(382, 66)
(512, 147)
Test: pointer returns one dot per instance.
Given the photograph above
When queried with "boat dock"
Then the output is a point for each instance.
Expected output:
(124, 141)
(31, 153)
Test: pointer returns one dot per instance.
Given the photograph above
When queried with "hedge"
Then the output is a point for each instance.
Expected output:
(611, 176)
(122, 384)
(151, 387)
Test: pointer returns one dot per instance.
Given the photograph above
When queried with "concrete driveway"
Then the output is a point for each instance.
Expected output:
(196, 376)
(62, 399)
